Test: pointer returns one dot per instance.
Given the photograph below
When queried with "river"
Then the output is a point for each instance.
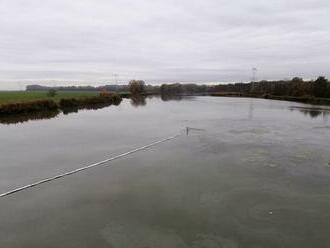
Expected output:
(249, 173)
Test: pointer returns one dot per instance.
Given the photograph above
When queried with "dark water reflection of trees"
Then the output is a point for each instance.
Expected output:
(14, 119)
(312, 112)
(42, 115)
(138, 101)
(166, 98)
(76, 109)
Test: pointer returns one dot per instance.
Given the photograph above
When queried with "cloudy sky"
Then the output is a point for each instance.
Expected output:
(85, 41)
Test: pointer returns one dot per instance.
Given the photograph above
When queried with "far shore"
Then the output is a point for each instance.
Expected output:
(302, 99)
(23, 102)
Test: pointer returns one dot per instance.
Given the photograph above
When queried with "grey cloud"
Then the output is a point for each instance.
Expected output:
(159, 40)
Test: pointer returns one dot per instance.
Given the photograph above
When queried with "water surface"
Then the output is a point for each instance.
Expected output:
(256, 175)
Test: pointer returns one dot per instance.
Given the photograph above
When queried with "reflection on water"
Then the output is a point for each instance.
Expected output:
(251, 110)
(313, 112)
(140, 101)
(14, 119)
(262, 181)
(42, 115)
(137, 101)
(86, 107)
(165, 97)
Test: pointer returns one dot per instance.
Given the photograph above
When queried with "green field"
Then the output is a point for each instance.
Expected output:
(26, 96)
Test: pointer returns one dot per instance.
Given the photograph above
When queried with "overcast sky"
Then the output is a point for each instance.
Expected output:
(88, 41)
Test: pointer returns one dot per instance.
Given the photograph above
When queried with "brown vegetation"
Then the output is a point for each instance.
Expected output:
(28, 107)
(64, 104)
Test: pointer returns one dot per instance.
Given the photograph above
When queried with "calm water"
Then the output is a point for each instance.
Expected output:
(257, 176)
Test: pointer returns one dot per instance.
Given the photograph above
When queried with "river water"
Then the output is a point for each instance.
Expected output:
(256, 173)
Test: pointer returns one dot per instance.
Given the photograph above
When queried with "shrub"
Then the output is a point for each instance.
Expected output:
(68, 103)
(137, 87)
(105, 93)
(52, 93)
(28, 107)
(116, 99)
(90, 102)
(320, 87)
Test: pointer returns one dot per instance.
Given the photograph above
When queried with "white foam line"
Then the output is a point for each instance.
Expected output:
(86, 167)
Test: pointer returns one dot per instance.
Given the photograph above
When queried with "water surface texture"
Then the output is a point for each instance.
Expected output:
(257, 174)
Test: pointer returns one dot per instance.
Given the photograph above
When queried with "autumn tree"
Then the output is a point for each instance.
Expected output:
(320, 87)
(137, 87)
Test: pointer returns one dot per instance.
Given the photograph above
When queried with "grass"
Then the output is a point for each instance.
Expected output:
(19, 103)
(28, 96)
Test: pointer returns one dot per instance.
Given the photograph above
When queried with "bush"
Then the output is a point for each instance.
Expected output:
(320, 87)
(64, 104)
(116, 99)
(105, 93)
(137, 87)
(68, 103)
(28, 107)
(51, 93)
(90, 102)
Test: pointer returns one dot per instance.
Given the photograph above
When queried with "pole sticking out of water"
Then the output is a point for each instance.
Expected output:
(188, 129)
(47, 180)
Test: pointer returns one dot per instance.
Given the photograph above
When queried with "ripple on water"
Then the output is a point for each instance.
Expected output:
(270, 215)
(250, 131)
(134, 235)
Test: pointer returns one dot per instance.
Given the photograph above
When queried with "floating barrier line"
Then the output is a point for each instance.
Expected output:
(87, 167)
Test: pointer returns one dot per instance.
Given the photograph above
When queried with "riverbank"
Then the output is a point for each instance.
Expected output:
(28, 96)
(303, 99)
(68, 103)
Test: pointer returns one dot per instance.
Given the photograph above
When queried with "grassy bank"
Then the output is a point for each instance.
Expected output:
(28, 96)
(73, 101)
(27, 107)
(69, 105)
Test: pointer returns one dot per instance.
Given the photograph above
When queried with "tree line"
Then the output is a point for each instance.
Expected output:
(122, 88)
(296, 87)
